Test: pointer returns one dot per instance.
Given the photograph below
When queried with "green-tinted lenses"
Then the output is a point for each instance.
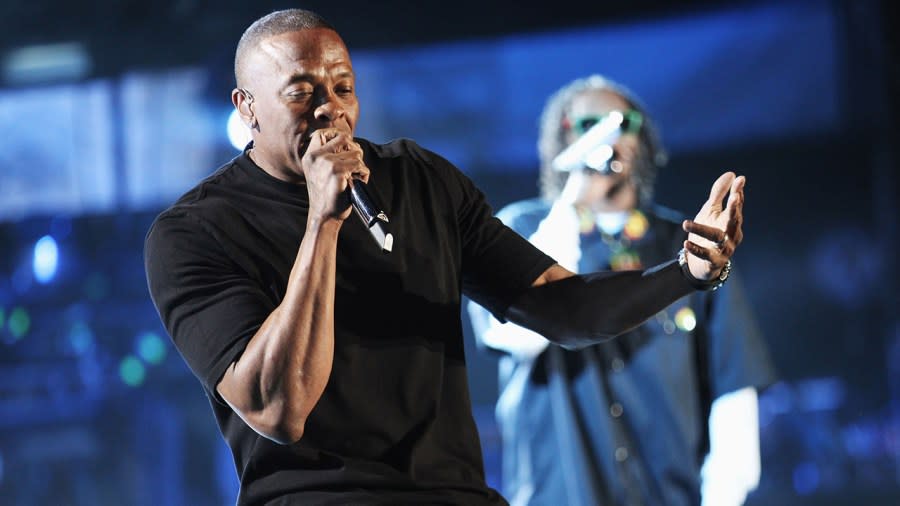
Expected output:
(630, 125)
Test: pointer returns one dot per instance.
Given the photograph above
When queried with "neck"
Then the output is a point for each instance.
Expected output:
(258, 157)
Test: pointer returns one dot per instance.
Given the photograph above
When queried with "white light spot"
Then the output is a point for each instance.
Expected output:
(46, 259)
(238, 132)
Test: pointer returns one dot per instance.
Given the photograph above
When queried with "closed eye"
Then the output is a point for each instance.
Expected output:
(344, 89)
(299, 94)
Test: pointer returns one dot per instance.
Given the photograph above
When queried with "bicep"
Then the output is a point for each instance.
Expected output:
(209, 306)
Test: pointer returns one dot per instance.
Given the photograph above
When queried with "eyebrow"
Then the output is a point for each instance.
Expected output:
(311, 78)
(298, 78)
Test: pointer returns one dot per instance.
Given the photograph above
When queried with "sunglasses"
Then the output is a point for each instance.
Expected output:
(630, 125)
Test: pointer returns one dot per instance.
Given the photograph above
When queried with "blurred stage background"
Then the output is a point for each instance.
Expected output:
(110, 109)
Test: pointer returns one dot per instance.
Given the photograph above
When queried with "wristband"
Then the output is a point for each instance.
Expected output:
(710, 285)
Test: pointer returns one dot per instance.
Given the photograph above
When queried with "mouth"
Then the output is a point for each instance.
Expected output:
(617, 187)
(303, 143)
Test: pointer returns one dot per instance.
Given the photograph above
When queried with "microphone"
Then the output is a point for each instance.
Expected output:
(594, 149)
(372, 216)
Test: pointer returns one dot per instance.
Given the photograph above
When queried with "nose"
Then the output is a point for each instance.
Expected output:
(329, 107)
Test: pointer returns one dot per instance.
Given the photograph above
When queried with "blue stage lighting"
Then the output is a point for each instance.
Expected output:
(81, 337)
(132, 371)
(151, 348)
(46, 259)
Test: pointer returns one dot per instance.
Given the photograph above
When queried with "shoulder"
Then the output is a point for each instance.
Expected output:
(406, 152)
(199, 205)
(204, 193)
(416, 167)
(395, 149)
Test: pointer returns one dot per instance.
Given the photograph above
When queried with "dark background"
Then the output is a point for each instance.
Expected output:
(96, 407)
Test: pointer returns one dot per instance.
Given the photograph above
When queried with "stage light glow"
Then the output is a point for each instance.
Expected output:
(132, 371)
(685, 319)
(151, 348)
(81, 338)
(67, 61)
(238, 132)
(46, 259)
(19, 323)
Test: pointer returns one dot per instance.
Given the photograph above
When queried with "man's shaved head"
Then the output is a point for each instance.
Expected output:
(276, 23)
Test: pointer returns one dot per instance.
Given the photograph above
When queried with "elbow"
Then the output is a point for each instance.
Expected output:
(285, 407)
(280, 420)
(572, 325)
(561, 333)
(279, 425)
(581, 330)
(574, 342)
(275, 410)
(287, 432)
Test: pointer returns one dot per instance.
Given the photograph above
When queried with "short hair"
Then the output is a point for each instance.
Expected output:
(552, 138)
(276, 23)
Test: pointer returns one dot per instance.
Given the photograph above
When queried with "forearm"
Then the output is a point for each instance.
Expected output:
(283, 371)
(585, 309)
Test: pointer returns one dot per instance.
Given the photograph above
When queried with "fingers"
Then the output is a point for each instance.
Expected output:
(710, 233)
(721, 228)
(332, 140)
(700, 252)
(720, 189)
(717, 257)
(734, 209)
(715, 233)
(338, 147)
(330, 163)
(721, 245)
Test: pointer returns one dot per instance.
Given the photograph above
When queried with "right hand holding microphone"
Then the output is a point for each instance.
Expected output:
(331, 160)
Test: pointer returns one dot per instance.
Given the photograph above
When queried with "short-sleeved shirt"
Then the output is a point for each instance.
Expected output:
(625, 422)
(394, 424)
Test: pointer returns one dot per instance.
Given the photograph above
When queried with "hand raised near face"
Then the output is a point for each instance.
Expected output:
(716, 232)
(331, 161)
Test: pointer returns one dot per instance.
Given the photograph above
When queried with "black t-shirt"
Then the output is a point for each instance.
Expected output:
(394, 425)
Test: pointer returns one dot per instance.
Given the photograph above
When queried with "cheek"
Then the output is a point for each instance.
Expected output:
(352, 111)
(629, 144)
(296, 120)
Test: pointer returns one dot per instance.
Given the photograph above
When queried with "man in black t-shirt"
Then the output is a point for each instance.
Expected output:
(335, 370)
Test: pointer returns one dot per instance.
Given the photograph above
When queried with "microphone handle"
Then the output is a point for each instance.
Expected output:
(372, 216)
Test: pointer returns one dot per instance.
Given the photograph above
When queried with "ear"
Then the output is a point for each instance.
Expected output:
(242, 105)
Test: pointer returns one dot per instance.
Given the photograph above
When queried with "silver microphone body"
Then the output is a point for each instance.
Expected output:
(372, 216)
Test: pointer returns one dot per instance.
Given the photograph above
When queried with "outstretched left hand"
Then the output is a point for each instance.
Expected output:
(715, 233)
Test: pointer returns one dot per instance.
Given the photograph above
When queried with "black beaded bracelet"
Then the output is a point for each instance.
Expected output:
(712, 284)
